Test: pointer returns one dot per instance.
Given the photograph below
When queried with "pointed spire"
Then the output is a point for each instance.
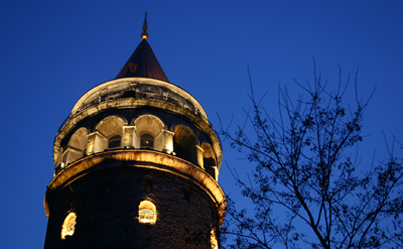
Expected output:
(144, 34)
(143, 63)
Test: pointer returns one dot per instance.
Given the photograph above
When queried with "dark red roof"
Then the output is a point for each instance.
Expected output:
(143, 63)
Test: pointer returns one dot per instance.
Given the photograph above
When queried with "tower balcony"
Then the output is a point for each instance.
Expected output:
(153, 161)
(130, 110)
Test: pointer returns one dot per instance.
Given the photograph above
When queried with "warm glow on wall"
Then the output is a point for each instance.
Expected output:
(147, 213)
(213, 238)
(69, 225)
(169, 144)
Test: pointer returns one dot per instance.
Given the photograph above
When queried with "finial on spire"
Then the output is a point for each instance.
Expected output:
(144, 34)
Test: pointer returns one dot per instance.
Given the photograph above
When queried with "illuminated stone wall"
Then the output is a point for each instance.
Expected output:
(90, 134)
(106, 204)
(130, 141)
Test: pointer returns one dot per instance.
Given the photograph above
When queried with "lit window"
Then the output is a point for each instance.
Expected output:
(69, 225)
(213, 238)
(114, 142)
(147, 213)
(147, 141)
(146, 216)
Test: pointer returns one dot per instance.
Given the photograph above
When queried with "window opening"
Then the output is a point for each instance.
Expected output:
(69, 225)
(186, 194)
(147, 141)
(132, 68)
(148, 185)
(147, 213)
(213, 239)
(114, 142)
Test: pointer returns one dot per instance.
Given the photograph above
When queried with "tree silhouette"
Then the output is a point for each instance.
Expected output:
(306, 188)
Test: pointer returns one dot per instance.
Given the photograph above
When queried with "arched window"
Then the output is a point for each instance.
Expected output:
(209, 161)
(147, 213)
(213, 239)
(114, 142)
(147, 141)
(131, 68)
(184, 143)
(69, 225)
(148, 185)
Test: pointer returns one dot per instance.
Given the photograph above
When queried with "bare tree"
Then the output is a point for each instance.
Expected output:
(308, 188)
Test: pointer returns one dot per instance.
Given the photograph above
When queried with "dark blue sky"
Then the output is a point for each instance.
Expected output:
(52, 52)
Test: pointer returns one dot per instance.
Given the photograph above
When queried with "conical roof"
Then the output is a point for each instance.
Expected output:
(143, 63)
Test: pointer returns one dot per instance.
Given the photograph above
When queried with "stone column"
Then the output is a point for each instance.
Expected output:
(96, 143)
(128, 136)
(200, 157)
(168, 141)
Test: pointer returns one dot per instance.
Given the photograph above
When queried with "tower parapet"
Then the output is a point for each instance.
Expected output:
(136, 166)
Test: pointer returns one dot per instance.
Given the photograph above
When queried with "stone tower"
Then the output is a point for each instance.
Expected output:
(137, 164)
